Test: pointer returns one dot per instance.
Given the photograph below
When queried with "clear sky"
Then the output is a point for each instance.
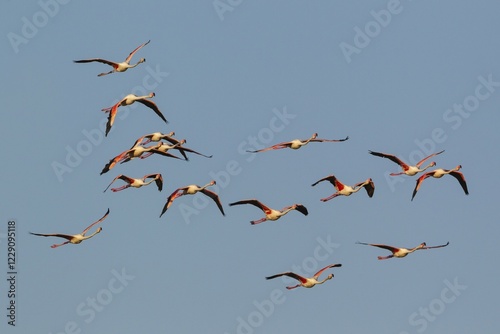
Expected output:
(408, 78)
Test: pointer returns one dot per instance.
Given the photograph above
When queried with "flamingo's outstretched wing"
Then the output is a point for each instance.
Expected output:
(368, 185)
(60, 235)
(302, 209)
(390, 248)
(370, 188)
(111, 117)
(122, 177)
(327, 267)
(113, 162)
(97, 222)
(391, 157)
(427, 157)
(419, 183)
(216, 199)
(153, 106)
(158, 180)
(165, 154)
(100, 60)
(274, 147)
(329, 140)
(289, 274)
(176, 193)
(252, 202)
(461, 179)
(183, 149)
(330, 178)
(333, 180)
(129, 58)
(431, 247)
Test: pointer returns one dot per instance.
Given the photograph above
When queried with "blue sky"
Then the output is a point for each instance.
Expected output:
(408, 78)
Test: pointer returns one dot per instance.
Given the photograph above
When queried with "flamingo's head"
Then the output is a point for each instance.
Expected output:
(183, 141)
(458, 167)
(172, 133)
(314, 135)
(152, 94)
(99, 230)
(213, 182)
(432, 164)
(422, 245)
(329, 276)
(142, 60)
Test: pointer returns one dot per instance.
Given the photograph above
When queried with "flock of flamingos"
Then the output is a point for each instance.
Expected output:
(166, 143)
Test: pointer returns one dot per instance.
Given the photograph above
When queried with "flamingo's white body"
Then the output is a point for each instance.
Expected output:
(298, 143)
(307, 282)
(137, 183)
(191, 190)
(128, 100)
(74, 238)
(345, 190)
(439, 173)
(271, 214)
(117, 67)
(400, 252)
(407, 169)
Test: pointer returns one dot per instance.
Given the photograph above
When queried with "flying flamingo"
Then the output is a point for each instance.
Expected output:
(177, 146)
(134, 152)
(137, 183)
(162, 147)
(407, 169)
(298, 143)
(74, 238)
(401, 252)
(191, 190)
(128, 100)
(117, 67)
(144, 152)
(271, 214)
(438, 173)
(345, 190)
(158, 136)
(305, 281)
